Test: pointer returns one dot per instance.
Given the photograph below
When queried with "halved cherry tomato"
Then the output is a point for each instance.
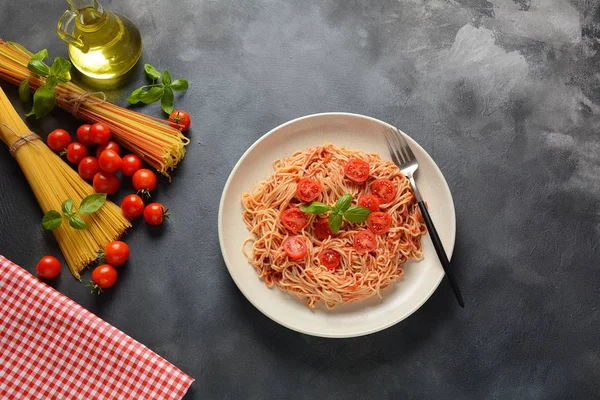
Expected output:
(322, 229)
(105, 182)
(48, 267)
(365, 241)
(180, 119)
(144, 179)
(88, 167)
(357, 170)
(58, 139)
(131, 164)
(104, 276)
(295, 247)
(330, 259)
(308, 189)
(109, 161)
(99, 133)
(83, 135)
(379, 222)
(293, 219)
(384, 190)
(116, 253)
(155, 213)
(132, 206)
(76, 152)
(369, 201)
(108, 146)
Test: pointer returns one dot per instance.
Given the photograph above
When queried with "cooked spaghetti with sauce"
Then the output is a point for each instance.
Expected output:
(332, 224)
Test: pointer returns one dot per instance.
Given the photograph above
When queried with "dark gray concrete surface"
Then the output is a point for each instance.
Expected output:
(505, 95)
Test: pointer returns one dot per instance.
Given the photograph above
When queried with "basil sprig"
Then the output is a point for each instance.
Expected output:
(162, 88)
(44, 97)
(89, 205)
(343, 209)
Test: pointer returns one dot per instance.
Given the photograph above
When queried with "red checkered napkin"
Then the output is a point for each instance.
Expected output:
(52, 348)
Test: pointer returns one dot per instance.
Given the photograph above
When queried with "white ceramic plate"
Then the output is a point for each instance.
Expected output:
(400, 299)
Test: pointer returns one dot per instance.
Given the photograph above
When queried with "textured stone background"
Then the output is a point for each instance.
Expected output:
(505, 95)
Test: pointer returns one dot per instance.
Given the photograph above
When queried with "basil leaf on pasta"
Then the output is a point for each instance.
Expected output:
(357, 214)
(335, 222)
(343, 203)
(315, 208)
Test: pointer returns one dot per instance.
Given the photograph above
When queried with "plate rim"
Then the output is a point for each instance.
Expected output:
(449, 246)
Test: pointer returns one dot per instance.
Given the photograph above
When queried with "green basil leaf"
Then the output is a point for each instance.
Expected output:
(315, 208)
(335, 222)
(92, 203)
(51, 81)
(179, 85)
(135, 96)
(343, 203)
(24, 93)
(152, 95)
(166, 102)
(38, 67)
(60, 67)
(51, 220)
(40, 55)
(166, 77)
(44, 99)
(357, 214)
(77, 223)
(151, 72)
(67, 207)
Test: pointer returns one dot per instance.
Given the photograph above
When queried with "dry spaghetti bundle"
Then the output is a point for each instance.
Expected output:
(159, 144)
(52, 182)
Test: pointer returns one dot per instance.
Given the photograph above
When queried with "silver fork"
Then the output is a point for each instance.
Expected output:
(405, 159)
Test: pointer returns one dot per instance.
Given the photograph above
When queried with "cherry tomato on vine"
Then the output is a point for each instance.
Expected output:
(109, 161)
(144, 180)
(116, 253)
(76, 152)
(104, 276)
(155, 213)
(105, 182)
(108, 146)
(132, 206)
(88, 167)
(58, 139)
(83, 135)
(48, 267)
(180, 119)
(131, 163)
(99, 133)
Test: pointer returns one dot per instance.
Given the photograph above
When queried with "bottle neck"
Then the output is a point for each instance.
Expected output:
(89, 12)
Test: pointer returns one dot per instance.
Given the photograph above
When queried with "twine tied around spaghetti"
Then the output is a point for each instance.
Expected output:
(29, 138)
(78, 100)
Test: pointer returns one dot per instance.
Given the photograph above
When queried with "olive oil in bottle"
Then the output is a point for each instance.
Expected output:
(102, 44)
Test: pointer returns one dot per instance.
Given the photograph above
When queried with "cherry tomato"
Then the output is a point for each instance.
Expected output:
(58, 139)
(104, 276)
(100, 133)
(131, 163)
(322, 229)
(144, 180)
(108, 146)
(379, 222)
(308, 189)
(155, 213)
(384, 190)
(295, 247)
(293, 219)
(180, 119)
(357, 170)
(117, 252)
(369, 201)
(48, 267)
(365, 241)
(88, 167)
(76, 152)
(105, 182)
(132, 206)
(109, 161)
(83, 135)
(330, 259)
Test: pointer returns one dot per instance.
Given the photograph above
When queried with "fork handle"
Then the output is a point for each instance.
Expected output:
(439, 249)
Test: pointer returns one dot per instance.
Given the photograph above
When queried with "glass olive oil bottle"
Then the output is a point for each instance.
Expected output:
(102, 44)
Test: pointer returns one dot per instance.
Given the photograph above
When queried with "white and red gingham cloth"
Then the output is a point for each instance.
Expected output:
(52, 348)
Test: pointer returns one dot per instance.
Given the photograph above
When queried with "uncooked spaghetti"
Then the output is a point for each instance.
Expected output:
(53, 182)
(359, 275)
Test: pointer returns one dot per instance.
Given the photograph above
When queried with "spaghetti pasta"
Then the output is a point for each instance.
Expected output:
(359, 276)
(52, 182)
